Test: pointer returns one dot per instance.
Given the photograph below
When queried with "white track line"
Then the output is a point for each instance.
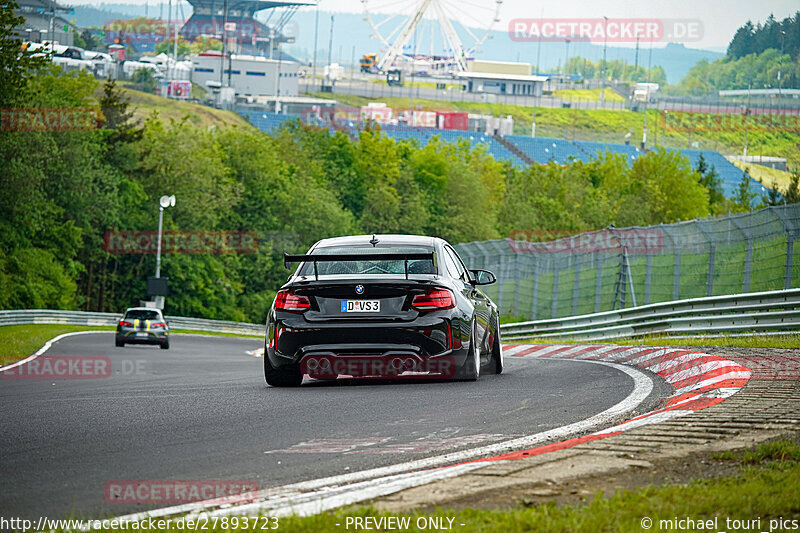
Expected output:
(313, 496)
(46, 347)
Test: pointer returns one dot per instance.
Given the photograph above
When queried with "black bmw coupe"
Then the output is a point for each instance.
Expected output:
(388, 306)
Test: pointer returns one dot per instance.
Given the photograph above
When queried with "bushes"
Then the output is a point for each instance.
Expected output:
(64, 190)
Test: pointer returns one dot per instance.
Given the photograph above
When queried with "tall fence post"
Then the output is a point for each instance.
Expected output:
(554, 303)
(748, 265)
(712, 251)
(598, 287)
(787, 273)
(535, 303)
(517, 288)
(501, 278)
(648, 278)
(576, 287)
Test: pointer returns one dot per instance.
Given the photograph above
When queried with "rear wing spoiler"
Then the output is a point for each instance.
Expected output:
(421, 256)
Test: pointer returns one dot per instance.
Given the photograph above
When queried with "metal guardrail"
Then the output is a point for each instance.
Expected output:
(758, 311)
(84, 318)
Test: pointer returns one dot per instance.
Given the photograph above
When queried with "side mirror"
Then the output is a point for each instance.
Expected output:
(483, 277)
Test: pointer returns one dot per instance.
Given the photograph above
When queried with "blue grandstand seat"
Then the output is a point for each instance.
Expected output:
(542, 150)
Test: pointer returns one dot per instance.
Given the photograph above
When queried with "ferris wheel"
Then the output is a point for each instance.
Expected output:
(448, 30)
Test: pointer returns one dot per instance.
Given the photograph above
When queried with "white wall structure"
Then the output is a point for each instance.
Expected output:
(249, 75)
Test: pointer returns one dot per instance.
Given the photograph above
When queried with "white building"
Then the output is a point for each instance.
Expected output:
(249, 75)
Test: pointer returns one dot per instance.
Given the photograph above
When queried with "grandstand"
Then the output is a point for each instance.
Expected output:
(541, 150)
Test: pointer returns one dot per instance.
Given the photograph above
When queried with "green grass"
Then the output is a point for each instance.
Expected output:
(766, 485)
(602, 125)
(768, 269)
(421, 84)
(145, 104)
(587, 95)
(786, 342)
(767, 176)
(215, 333)
(18, 342)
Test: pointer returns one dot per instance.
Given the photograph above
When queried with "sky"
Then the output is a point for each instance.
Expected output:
(719, 18)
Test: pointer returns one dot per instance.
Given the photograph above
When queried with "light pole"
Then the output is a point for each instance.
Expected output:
(780, 63)
(566, 55)
(605, 41)
(314, 57)
(164, 202)
(647, 98)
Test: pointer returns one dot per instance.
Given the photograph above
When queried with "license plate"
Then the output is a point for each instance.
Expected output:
(142, 334)
(361, 306)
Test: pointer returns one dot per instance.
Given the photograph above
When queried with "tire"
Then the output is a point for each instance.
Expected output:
(496, 364)
(288, 376)
(119, 343)
(471, 370)
(165, 345)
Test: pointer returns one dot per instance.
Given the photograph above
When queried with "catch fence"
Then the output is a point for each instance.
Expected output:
(615, 268)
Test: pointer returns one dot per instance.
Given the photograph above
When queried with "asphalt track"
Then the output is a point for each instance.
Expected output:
(201, 411)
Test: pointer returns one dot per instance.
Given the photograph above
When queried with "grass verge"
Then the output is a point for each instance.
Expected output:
(764, 489)
(18, 342)
(789, 341)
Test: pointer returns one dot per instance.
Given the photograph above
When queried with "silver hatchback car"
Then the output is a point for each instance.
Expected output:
(143, 325)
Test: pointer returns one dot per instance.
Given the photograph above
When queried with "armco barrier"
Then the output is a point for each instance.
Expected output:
(759, 311)
(84, 318)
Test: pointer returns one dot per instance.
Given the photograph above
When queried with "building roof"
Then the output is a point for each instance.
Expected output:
(500, 77)
(761, 92)
(256, 5)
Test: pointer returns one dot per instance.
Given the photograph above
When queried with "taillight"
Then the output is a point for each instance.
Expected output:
(124, 323)
(158, 325)
(449, 336)
(286, 300)
(433, 299)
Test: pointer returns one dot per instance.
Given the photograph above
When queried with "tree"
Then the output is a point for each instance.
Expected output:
(744, 196)
(710, 179)
(793, 190)
(664, 187)
(143, 80)
(16, 62)
(773, 196)
(87, 41)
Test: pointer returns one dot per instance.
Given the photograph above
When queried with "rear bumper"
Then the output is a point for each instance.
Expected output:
(427, 338)
(153, 337)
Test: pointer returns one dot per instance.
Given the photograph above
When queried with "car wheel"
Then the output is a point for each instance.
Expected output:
(165, 345)
(497, 353)
(288, 376)
(471, 370)
(119, 343)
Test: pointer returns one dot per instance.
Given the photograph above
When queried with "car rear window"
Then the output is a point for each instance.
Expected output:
(369, 266)
(143, 314)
